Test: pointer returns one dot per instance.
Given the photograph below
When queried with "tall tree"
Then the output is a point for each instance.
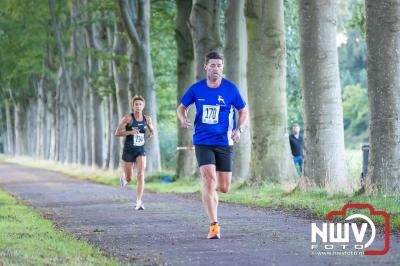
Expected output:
(266, 68)
(114, 142)
(96, 33)
(72, 125)
(21, 64)
(323, 113)
(186, 163)
(204, 22)
(235, 68)
(383, 41)
(9, 144)
(20, 130)
(120, 71)
(78, 72)
(135, 16)
(40, 119)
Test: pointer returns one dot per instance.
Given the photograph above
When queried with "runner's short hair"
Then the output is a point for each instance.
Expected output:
(137, 98)
(214, 55)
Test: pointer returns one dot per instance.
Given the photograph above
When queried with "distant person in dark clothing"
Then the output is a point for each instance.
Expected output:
(296, 145)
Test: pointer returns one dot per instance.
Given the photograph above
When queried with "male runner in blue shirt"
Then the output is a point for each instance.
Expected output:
(215, 131)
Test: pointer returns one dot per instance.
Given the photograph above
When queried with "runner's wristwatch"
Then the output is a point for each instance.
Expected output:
(240, 129)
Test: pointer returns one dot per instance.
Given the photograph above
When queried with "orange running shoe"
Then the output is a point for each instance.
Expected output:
(214, 232)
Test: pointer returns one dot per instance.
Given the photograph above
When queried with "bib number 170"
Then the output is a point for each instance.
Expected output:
(210, 114)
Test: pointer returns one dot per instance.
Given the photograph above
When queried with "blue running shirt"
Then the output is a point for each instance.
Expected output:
(215, 114)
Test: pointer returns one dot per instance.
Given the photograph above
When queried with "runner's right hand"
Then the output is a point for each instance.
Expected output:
(185, 123)
(134, 131)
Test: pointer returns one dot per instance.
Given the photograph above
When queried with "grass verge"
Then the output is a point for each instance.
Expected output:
(28, 239)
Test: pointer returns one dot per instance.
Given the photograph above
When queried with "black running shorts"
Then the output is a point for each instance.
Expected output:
(220, 156)
(129, 154)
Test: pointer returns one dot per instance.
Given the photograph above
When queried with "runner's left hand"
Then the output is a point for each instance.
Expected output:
(235, 136)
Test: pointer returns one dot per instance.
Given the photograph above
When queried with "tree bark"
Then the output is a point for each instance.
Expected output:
(120, 70)
(20, 140)
(186, 160)
(31, 132)
(266, 70)
(204, 24)
(383, 41)
(115, 144)
(72, 126)
(324, 163)
(53, 123)
(79, 53)
(87, 130)
(95, 113)
(40, 120)
(10, 144)
(62, 53)
(235, 69)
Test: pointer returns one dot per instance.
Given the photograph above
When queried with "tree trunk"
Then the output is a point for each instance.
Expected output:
(20, 120)
(64, 138)
(87, 131)
(59, 40)
(40, 120)
(133, 72)
(79, 53)
(147, 81)
(383, 40)
(324, 163)
(95, 113)
(120, 75)
(52, 124)
(186, 160)
(120, 71)
(114, 142)
(107, 130)
(3, 133)
(204, 22)
(266, 70)
(115, 145)
(72, 126)
(31, 132)
(52, 105)
(139, 35)
(10, 144)
(235, 69)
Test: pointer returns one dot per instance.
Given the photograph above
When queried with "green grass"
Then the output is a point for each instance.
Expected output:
(27, 239)
(316, 201)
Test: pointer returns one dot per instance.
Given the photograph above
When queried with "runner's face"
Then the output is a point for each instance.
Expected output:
(138, 106)
(214, 69)
(296, 130)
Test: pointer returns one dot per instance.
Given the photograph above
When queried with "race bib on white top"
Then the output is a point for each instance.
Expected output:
(138, 139)
(210, 114)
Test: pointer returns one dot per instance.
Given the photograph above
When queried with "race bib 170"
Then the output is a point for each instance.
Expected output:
(210, 114)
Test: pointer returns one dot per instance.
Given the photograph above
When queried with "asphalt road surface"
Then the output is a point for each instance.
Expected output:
(173, 229)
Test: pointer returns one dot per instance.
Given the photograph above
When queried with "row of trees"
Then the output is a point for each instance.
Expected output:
(63, 102)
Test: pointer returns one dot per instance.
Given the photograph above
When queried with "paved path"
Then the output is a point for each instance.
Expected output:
(172, 230)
